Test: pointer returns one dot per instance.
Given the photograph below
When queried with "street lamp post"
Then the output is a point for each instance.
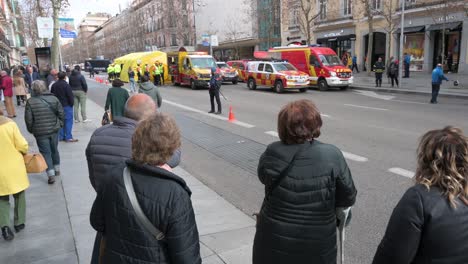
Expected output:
(402, 35)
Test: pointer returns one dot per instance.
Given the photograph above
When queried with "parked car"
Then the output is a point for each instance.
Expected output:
(228, 73)
(276, 75)
(241, 67)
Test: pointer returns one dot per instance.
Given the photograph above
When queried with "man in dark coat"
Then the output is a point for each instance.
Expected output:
(32, 75)
(80, 88)
(62, 90)
(110, 146)
(379, 69)
(214, 86)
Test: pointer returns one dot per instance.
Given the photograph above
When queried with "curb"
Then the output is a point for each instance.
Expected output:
(406, 91)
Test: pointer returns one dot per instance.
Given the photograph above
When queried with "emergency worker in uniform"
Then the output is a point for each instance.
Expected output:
(161, 72)
(379, 68)
(138, 72)
(156, 74)
(147, 71)
(117, 70)
(214, 86)
(110, 72)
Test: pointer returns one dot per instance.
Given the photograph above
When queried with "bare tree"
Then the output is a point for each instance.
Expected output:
(233, 34)
(369, 13)
(57, 6)
(307, 17)
(30, 10)
(391, 23)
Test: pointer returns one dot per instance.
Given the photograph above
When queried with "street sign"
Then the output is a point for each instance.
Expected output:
(45, 27)
(206, 40)
(67, 27)
(214, 41)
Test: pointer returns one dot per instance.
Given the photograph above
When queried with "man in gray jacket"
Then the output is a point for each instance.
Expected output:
(146, 87)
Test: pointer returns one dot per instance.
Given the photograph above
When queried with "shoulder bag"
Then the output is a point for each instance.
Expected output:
(136, 206)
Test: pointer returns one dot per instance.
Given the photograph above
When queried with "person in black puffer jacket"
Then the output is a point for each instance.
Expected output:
(80, 89)
(163, 196)
(298, 219)
(44, 117)
(429, 224)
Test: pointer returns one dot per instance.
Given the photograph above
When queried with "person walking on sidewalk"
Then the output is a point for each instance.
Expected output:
(393, 72)
(387, 67)
(62, 90)
(379, 69)
(44, 118)
(407, 62)
(131, 79)
(7, 87)
(151, 90)
(355, 64)
(437, 77)
(214, 87)
(31, 75)
(163, 196)
(110, 146)
(79, 87)
(117, 96)
(307, 184)
(20, 88)
(428, 225)
(13, 177)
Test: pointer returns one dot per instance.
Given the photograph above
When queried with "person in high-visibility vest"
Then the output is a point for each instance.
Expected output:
(117, 70)
(161, 72)
(110, 72)
(156, 73)
(147, 71)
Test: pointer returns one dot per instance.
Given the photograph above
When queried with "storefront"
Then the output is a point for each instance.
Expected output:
(451, 46)
(340, 41)
(413, 44)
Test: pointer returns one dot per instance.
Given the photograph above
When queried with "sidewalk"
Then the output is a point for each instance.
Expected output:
(418, 83)
(57, 221)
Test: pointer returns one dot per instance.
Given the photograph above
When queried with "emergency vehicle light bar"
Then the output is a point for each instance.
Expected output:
(298, 46)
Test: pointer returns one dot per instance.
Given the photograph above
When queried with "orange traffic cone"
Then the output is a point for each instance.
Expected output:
(231, 118)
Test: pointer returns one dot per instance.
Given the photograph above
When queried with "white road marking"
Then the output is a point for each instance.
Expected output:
(374, 95)
(324, 115)
(410, 102)
(366, 107)
(239, 123)
(354, 157)
(347, 155)
(402, 172)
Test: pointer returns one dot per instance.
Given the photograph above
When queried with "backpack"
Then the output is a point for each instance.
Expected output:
(393, 69)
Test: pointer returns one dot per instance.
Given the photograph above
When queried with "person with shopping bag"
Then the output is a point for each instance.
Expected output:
(13, 176)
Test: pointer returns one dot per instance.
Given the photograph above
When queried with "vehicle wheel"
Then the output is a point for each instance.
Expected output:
(176, 84)
(279, 88)
(234, 82)
(302, 90)
(322, 85)
(192, 84)
(344, 88)
(251, 84)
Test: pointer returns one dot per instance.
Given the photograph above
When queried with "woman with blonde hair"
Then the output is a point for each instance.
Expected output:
(430, 223)
(20, 87)
(13, 177)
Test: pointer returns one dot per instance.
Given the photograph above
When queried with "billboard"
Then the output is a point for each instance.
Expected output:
(43, 58)
(45, 27)
(67, 27)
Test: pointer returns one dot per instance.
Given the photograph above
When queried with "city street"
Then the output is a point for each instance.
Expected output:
(377, 132)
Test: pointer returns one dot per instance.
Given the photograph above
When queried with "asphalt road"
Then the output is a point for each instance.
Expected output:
(378, 132)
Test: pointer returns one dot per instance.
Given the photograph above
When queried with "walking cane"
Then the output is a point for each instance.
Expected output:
(225, 98)
(343, 214)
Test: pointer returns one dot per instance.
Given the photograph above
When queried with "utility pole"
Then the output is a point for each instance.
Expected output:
(402, 35)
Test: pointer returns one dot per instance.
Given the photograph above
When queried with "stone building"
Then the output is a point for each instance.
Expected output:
(12, 43)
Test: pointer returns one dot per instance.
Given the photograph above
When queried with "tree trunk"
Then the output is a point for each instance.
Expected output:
(370, 44)
(40, 11)
(55, 41)
(390, 35)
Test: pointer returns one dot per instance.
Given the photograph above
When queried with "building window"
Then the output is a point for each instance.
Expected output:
(294, 16)
(376, 4)
(347, 7)
(184, 4)
(323, 9)
(173, 40)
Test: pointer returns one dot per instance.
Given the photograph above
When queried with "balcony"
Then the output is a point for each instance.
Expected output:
(294, 28)
(428, 3)
(4, 42)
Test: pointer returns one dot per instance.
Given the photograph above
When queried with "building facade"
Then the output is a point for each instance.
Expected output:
(12, 43)
(343, 25)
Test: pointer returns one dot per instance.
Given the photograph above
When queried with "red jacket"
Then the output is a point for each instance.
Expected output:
(7, 86)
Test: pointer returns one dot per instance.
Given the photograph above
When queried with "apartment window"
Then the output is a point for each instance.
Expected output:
(173, 40)
(186, 22)
(184, 4)
(323, 9)
(347, 7)
(377, 4)
(294, 16)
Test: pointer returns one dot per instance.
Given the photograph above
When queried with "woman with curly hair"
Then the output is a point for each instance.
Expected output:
(430, 223)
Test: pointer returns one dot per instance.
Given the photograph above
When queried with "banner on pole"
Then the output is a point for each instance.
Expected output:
(214, 41)
(45, 27)
(67, 27)
(206, 40)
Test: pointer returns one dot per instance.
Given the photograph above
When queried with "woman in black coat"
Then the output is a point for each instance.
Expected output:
(306, 181)
(163, 196)
(430, 223)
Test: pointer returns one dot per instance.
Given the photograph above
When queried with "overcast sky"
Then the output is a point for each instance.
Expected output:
(79, 8)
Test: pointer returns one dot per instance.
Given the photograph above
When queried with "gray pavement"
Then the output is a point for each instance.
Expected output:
(58, 229)
(418, 83)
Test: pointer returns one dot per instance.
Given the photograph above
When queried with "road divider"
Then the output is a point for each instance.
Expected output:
(347, 155)
(188, 108)
(366, 107)
(402, 172)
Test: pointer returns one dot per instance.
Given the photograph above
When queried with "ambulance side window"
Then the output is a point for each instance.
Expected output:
(314, 61)
(261, 66)
(186, 63)
(268, 68)
(240, 66)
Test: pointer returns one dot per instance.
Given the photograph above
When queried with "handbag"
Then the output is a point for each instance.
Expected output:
(105, 119)
(34, 162)
(277, 182)
(137, 208)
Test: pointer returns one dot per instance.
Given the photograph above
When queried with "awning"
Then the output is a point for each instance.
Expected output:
(449, 26)
(411, 29)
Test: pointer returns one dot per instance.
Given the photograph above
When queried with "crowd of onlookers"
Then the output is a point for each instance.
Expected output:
(143, 211)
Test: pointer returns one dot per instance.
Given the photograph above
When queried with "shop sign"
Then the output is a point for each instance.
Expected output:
(447, 18)
(334, 34)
